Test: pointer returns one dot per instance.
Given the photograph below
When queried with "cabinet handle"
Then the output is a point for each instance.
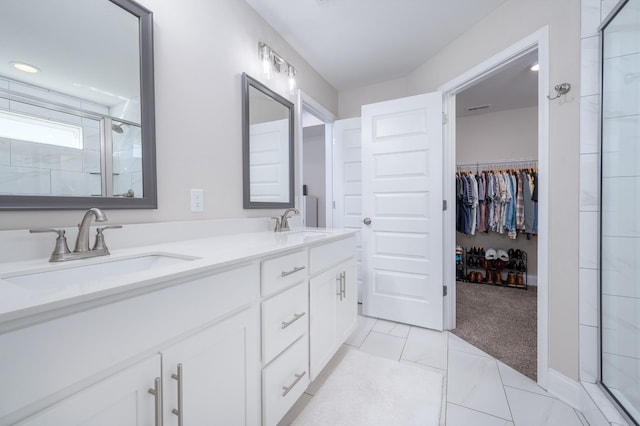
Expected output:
(178, 412)
(296, 317)
(343, 280)
(293, 271)
(287, 389)
(339, 279)
(156, 391)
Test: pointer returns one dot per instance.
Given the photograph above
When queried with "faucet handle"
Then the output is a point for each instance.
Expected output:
(61, 248)
(277, 227)
(99, 243)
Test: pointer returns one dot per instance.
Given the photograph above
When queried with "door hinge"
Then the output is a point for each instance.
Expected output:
(334, 205)
(444, 205)
(445, 119)
(444, 290)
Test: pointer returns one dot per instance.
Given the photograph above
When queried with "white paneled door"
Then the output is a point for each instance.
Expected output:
(402, 210)
(269, 161)
(347, 183)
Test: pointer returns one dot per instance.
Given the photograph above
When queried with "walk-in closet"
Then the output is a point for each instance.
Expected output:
(496, 214)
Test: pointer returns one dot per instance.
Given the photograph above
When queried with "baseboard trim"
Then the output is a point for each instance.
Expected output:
(564, 388)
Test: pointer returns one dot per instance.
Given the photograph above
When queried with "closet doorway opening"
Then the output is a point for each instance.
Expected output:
(315, 170)
(496, 235)
(496, 145)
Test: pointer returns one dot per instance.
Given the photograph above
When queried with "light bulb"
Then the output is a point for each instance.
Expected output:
(267, 68)
(292, 80)
(535, 67)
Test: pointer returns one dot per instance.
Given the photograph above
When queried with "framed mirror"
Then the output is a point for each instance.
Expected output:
(267, 147)
(77, 121)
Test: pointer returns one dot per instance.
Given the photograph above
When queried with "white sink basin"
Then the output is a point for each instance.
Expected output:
(78, 274)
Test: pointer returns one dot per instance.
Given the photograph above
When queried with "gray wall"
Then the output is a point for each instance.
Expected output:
(314, 170)
(508, 24)
(198, 113)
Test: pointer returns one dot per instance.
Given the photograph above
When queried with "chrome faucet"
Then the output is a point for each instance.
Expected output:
(282, 222)
(82, 241)
(61, 251)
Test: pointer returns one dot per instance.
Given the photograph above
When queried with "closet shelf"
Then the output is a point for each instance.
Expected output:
(507, 270)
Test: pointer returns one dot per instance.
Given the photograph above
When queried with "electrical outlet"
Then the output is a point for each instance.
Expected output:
(197, 200)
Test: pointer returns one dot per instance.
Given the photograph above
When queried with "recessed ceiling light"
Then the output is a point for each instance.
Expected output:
(535, 67)
(25, 67)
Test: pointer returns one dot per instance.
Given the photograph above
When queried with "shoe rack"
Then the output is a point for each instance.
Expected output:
(508, 271)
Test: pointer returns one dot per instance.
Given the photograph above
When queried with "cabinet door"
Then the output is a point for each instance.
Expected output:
(121, 399)
(348, 303)
(213, 377)
(323, 304)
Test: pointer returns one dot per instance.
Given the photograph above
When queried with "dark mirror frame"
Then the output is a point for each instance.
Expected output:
(148, 128)
(247, 83)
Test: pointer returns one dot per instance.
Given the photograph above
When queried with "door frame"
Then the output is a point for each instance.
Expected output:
(538, 40)
(306, 102)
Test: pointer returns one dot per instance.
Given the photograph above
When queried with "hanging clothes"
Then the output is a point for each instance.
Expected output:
(497, 201)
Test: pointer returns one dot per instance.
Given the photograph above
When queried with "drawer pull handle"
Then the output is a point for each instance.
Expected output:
(287, 389)
(179, 411)
(293, 271)
(296, 317)
(156, 391)
(341, 281)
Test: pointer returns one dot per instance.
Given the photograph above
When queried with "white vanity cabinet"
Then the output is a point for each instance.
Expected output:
(207, 378)
(231, 343)
(285, 333)
(209, 323)
(120, 399)
(332, 300)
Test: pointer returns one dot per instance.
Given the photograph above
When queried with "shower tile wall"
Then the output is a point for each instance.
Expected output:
(28, 168)
(621, 203)
(620, 253)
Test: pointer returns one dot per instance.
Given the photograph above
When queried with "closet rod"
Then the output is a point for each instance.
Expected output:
(517, 164)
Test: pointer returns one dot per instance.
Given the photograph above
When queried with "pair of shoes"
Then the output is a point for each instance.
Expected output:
(520, 279)
(490, 275)
(511, 278)
(475, 277)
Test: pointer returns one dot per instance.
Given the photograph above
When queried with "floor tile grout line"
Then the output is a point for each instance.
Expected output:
(481, 412)
(504, 390)
(548, 395)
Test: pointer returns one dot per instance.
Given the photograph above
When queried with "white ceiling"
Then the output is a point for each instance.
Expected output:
(355, 43)
(512, 86)
(87, 49)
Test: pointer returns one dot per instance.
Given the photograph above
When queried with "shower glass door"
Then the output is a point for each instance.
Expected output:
(620, 208)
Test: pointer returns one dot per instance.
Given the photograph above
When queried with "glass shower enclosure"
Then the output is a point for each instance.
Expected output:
(620, 208)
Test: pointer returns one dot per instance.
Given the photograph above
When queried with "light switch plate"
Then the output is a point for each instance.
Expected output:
(197, 200)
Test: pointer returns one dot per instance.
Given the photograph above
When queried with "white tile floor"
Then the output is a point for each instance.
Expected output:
(479, 390)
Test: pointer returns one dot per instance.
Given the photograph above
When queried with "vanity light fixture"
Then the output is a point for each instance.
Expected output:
(271, 62)
(25, 67)
(535, 67)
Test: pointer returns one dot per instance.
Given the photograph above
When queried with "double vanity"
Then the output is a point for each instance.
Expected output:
(227, 329)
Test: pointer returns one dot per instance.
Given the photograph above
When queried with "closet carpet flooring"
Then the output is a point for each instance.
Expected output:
(501, 321)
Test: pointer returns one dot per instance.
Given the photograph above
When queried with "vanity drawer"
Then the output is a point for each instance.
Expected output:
(283, 271)
(284, 380)
(326, 255)
(285, 318)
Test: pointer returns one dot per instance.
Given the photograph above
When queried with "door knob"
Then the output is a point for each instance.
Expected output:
(366, 221)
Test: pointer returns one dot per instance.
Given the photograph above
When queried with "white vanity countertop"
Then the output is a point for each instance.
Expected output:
(208, 254)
